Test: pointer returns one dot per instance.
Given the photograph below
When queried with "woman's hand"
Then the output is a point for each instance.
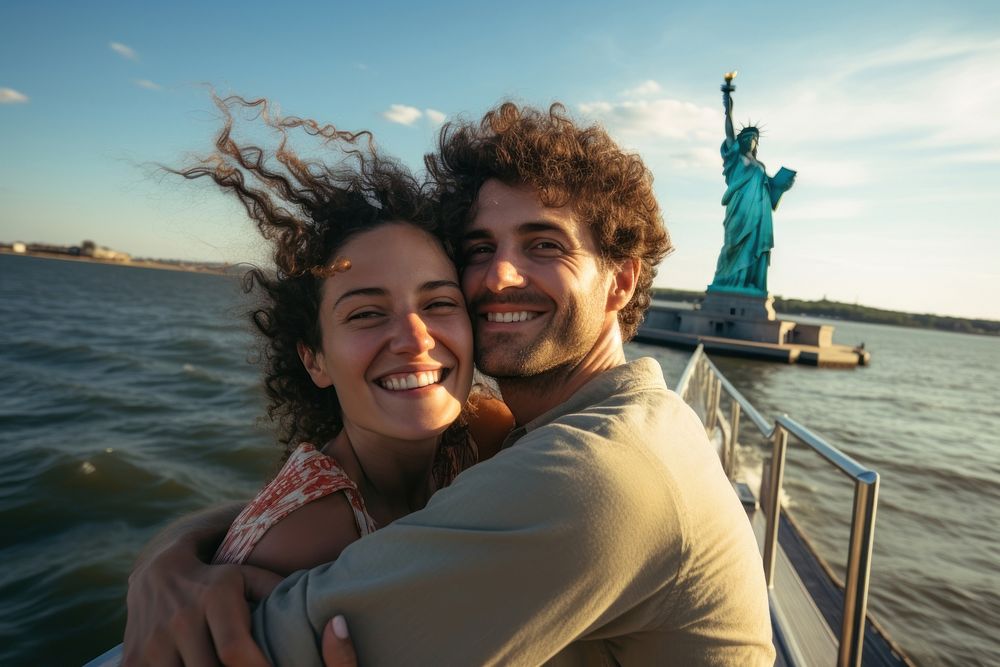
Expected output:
(338, 649)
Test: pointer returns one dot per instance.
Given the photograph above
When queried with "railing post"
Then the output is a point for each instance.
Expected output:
(774, 502)
(859, 562)
(715, 391)
(734, 434)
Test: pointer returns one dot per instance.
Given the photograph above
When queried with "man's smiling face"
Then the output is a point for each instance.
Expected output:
(535, 285)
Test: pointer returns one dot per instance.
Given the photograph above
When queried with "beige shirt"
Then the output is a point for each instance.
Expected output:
(607, 532)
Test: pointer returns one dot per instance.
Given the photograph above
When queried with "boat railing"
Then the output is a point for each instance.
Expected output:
(702, 385)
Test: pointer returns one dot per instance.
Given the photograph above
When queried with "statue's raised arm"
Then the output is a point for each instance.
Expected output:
(727, 104)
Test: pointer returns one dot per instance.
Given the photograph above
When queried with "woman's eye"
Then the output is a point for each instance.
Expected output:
(442, 304)
(364, 315)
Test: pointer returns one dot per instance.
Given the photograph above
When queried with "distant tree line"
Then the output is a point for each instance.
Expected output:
(854, 312)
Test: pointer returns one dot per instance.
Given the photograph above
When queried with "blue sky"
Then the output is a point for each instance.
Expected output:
(889, 114)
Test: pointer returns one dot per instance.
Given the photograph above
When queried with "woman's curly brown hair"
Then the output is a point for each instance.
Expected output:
(307, 210)
(609, 189)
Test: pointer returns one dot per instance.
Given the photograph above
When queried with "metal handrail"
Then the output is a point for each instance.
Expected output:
(702, 376)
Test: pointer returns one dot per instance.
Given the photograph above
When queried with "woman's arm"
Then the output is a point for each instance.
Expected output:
(489, 423)
(314, 534)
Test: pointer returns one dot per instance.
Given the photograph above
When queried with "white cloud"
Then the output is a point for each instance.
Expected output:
(148, 85)
(841, 208)
(661, 118)
(402, 114)
(11, 96)
(644, 89)
(931, 92)
(434, 116)
(124, 51)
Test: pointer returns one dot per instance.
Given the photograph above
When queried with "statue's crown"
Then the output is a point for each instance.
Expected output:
(749, 129)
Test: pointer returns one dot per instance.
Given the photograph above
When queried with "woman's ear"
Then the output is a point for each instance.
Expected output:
(313, 363)
(624, 278)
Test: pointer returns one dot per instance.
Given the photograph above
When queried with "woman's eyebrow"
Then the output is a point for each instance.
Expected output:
(428, 286)
(361, 291)
(438, 284)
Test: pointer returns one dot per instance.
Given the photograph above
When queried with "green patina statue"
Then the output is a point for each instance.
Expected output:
(750, 197)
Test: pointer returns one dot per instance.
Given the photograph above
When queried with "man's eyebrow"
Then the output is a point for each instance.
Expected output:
(524, 228)
(541, 226)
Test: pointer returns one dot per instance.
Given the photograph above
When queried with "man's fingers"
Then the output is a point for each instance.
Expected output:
(195, 645)
(338, 649)
(258, 582)
(228, 619)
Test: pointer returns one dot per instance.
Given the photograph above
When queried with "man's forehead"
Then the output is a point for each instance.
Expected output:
(518, 209)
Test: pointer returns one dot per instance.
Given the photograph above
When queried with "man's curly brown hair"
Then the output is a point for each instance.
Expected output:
(610, 190)
(307, 210)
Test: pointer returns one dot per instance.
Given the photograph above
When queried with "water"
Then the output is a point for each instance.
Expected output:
(127, 399)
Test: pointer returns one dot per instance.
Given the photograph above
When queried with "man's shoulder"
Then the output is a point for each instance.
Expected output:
(630, 404)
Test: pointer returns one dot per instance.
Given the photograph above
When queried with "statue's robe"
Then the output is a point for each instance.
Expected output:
(749, 234)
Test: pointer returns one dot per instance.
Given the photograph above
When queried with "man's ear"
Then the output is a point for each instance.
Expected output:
(313, 366)
(624, 278)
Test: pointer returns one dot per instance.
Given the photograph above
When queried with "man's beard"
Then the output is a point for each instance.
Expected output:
(562, 344)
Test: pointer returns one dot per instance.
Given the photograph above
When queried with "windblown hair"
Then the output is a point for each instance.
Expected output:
(610, 190)
(307, 210)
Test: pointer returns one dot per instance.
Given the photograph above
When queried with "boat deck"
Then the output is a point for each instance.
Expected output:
(807, 605)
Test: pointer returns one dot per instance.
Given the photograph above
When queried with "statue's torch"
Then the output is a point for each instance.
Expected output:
(728, 86)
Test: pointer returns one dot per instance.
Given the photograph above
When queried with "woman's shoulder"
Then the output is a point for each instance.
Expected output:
(313, 534)
(490, 420)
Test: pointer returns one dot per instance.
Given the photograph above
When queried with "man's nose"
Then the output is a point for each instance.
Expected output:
(502, 274)
(411, 336)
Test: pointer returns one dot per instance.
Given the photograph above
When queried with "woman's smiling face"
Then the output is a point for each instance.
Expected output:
(396, 341)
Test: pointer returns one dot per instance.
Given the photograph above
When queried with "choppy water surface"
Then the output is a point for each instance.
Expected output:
(127, 399)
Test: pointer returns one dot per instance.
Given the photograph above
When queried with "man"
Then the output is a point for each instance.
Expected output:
(605, 532)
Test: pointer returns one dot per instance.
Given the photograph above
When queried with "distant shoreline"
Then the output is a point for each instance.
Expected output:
(187, 267)
(855, 313)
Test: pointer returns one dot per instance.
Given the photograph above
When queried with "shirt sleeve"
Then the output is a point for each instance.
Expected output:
(522, 555)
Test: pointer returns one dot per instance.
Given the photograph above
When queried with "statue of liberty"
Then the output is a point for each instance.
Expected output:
(750, 197)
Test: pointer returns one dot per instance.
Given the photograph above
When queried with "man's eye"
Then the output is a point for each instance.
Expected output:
(478, 253)
(546, 247)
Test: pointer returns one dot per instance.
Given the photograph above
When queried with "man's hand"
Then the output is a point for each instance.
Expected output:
(182, 611)
(338, 650)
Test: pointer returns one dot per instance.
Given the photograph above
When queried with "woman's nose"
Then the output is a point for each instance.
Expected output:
(411, 336)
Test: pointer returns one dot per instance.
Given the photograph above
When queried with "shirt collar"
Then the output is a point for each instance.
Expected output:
(630, 376)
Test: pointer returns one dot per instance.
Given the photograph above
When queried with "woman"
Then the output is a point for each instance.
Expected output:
(368, 345)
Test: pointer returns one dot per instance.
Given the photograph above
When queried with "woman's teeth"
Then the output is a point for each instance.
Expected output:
(410, 380)
(510, 317)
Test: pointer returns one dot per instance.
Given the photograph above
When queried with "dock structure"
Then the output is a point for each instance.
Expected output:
(745, 325)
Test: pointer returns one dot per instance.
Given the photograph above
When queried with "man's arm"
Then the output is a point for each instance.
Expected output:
(522, 555)
(179, 608)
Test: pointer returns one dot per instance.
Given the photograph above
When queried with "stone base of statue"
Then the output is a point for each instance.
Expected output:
(743, 323)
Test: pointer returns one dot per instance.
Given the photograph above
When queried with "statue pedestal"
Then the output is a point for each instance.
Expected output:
(739, 315)
(743, 305)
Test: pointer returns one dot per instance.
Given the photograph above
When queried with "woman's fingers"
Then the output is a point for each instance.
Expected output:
(338, 649)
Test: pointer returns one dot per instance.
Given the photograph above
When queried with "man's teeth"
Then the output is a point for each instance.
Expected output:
(410, 380)
(510, 317)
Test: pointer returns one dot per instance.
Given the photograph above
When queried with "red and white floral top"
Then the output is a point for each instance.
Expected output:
(309, 475)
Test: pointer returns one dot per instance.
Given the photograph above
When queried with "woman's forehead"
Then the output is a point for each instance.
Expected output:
(395, 256)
